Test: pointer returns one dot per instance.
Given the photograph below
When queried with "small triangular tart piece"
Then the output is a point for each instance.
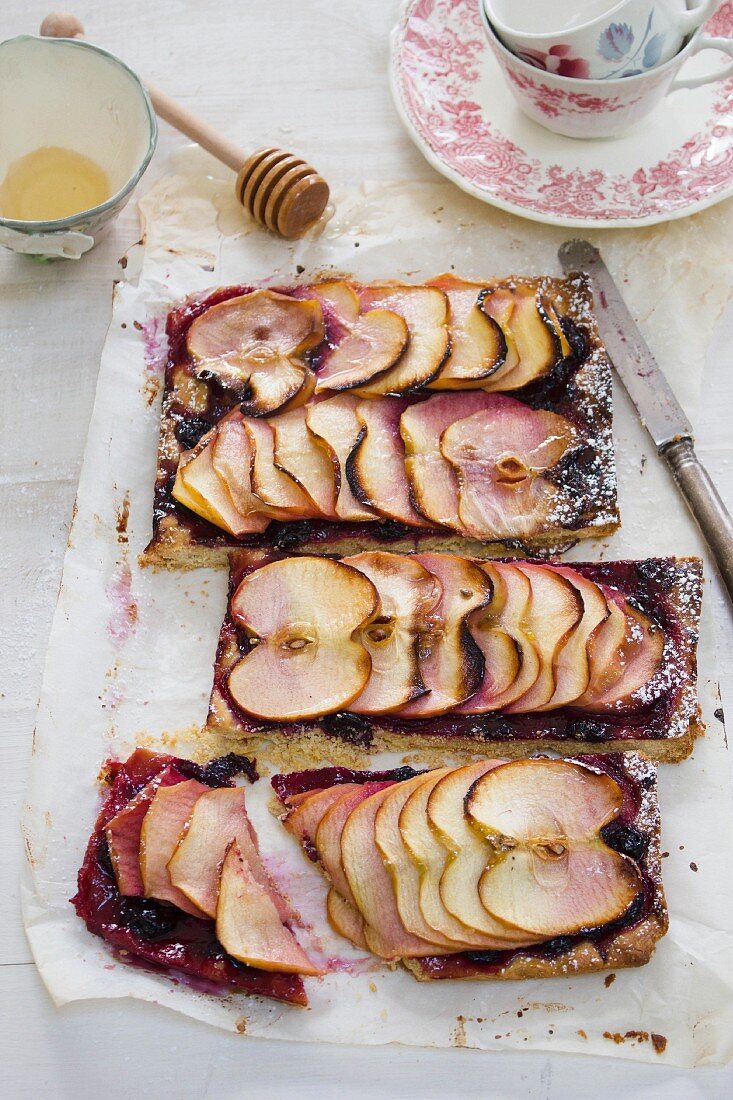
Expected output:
(551, 873)
(532, 342)
(253, 346)
(425, 311)
(499, 456)
(248, 925)
(276, 492)
(408, 595)
(299, 454)
(367, 344)
(477, 344)
(376, 466)
(335, 426)
(303, 614)
(451, 664)
(123, 834)
(163, 826)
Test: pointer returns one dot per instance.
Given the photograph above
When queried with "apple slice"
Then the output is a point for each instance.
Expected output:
(345, 919)
(555, 609)
(166, 820)
(276, 492)
(425, 311)
(571, 669)
(499, 455)
(368, 343)
(327, 836)
(371, 887)
(123, 834)
(408, 596)
(451, 664)
(334, 424)
(431, 857)
(376, 466)
(219, 817)
(294, 800)
(552, 874)
(433, 482)
(304, 614)
(468, 855)
(303, 821)
(254, 345)
(477, 344)
(248, 925)
(298, 454)
(533, 347)
(199, 488)
(630, 666)
(303, 395)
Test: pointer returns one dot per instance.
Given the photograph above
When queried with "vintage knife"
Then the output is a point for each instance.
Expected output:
(657, 406)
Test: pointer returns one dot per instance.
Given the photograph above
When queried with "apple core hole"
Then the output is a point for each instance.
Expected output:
(511, 470)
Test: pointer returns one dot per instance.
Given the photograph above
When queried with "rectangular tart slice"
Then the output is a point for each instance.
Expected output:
(331, 416)
(530, 868)
(394, 651)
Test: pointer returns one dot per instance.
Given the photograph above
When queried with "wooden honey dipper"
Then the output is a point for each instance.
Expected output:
(279, 190)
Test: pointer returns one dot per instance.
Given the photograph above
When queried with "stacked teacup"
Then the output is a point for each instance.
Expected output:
(593, 68)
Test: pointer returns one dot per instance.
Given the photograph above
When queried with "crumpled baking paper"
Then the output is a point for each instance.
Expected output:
(131, 651)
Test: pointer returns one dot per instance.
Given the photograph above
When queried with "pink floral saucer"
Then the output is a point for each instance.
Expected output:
(451, 95)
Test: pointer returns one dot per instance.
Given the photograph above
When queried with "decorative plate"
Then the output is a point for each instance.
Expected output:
(451, 95)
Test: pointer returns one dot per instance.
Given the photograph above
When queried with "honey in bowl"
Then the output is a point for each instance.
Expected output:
(52, 183)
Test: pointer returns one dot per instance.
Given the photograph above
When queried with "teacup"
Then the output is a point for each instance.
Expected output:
(598, 108)
(596, 39)
(70, 95)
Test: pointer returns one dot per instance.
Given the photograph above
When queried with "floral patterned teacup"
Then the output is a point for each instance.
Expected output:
(582, 108)
(596, 39)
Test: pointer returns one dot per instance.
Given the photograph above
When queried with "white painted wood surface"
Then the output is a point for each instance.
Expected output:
(312, 75)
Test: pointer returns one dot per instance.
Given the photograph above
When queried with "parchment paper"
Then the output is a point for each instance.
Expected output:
(130, 652)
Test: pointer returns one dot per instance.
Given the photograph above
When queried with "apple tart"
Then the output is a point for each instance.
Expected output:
(497, 869)
(331, 416)
(392, 651)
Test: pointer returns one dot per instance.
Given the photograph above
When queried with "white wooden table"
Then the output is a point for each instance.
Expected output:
(310, 74)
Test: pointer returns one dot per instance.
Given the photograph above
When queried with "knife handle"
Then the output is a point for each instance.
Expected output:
(705, 504)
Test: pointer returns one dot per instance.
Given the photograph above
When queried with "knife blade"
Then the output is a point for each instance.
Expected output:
(658, 408)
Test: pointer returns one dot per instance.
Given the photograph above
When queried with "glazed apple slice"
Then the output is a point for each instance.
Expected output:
(165, 822)
(554, 611)
(622, 681)
(298, 454)
(408, 596)
(253, 346)
(277, 493)
(451, 664)
(376, 466)
(571, 667)
(304, 820)
(327, 837)
(552, 873)
(432, 479)
(425, 311)
(123, 834)
(336, 428)
(345, 919)
(368, 344)
(248, 925)
(499, 455)
(477, 344)
(431, 857)
(371, 887)
(203, 491)
(468, 855)
(533, 347)
(304, 614)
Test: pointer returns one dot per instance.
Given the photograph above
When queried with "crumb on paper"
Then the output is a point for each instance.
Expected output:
(458, 1035)
(241, 1024)
(609, 980)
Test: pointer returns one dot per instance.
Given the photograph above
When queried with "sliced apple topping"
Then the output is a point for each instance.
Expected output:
(571, 667)
(248, 925)
(368, 345)
(345, 919)
(277, 494)
(327, 838)
(433, 481)
(336, 428)
(499, 455)
(551, 873)
(624, 658)
(304, 614)
(477, 344)
(376, 466)
(254, 345)
(199, 487)
(299, 454)
(425, 311)
(304, 819)
(533, 346)
(451, 664)
(408, 596)
(123, 835)
(163, 826)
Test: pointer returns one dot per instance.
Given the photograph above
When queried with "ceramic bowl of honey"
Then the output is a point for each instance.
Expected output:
(77, 131)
